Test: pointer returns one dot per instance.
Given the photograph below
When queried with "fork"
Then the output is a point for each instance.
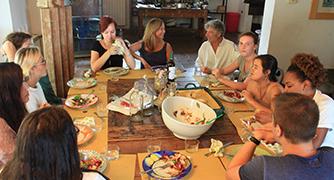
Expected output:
(221, 149)
(161, 167)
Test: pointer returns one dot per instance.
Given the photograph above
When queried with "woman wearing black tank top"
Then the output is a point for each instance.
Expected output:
(153, 49)
(110, 51)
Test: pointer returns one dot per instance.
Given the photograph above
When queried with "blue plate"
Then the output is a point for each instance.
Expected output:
(151, 172)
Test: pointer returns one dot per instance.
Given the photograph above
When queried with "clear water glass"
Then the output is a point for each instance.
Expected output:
(113, 152)
(191, 145)
(153, 146)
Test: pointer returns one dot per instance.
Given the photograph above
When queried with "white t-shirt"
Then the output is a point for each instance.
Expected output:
(226, 53)
(326, 119)
(36, 98)
(92, 176)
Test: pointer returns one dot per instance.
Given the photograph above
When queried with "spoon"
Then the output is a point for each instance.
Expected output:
(208, 122)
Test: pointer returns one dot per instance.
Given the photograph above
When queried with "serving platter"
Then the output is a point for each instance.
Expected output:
(231, 96)
(116, 71)
(85, 133)
(82, 83)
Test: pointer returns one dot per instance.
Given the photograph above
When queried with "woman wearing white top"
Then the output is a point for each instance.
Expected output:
(34, 68)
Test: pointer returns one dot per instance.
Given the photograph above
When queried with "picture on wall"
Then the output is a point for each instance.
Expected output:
(322, 9)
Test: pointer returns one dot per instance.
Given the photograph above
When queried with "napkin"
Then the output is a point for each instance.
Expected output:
(124, 106)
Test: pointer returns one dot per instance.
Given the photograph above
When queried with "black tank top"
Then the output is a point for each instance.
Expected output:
(154, 58)
(113, 60)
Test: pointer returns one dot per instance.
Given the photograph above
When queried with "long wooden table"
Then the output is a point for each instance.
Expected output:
(133, 149)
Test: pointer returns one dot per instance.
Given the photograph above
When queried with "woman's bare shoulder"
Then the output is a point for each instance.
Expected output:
(275, 88)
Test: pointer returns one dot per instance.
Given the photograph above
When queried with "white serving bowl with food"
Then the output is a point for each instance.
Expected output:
(186, 117)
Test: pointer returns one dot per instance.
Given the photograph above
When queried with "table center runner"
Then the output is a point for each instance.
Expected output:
(131, 136)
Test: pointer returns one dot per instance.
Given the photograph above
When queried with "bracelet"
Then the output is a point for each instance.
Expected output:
(254, 140)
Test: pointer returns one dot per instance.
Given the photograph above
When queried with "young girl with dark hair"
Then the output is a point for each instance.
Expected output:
(46, 148)
(263, 86)
(13, 96)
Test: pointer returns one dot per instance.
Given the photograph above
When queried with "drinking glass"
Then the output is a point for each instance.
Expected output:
(101, 110)
(197, 71)
(98, 126)
(113, 152)
(191, 145)
(153, 146)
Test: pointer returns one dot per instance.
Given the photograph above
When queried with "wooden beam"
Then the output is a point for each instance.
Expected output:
(58, 44)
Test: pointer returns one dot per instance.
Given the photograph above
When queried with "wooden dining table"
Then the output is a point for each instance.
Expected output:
(133, 137)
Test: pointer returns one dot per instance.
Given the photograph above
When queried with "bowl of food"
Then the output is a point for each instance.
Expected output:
(92, 160)
(187, 118)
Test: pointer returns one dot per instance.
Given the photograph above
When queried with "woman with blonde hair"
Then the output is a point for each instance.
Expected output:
(153, 49)
(34, 68)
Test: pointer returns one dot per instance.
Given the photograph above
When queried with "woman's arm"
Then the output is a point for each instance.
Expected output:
(97, 61)
(127, 55)
(10, 50)
(234, 85)
(320, 136)
(218, 72)
(135, 47)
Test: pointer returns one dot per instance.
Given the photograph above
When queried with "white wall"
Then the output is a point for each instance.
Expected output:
(232, 5)
(292, 32)
(19, 15)
(6, 23)
(14, 17)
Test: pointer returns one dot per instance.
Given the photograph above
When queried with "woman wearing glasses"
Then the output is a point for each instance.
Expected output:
(13, 96)
(34, 68)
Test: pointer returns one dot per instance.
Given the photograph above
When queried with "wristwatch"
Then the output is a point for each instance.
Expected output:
(254, 140)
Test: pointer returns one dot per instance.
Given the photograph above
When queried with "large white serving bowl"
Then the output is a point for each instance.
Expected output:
(180, 129)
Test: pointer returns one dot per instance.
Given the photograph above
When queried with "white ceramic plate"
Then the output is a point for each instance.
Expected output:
(116, 71)
(82, 83)
(231, 96)
(86, 101)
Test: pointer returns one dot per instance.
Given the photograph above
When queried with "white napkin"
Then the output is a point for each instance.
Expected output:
(123, 104)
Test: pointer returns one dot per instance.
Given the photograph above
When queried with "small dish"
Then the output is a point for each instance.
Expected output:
(92, 160)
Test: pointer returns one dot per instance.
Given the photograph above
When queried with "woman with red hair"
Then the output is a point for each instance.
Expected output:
(110, 51)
